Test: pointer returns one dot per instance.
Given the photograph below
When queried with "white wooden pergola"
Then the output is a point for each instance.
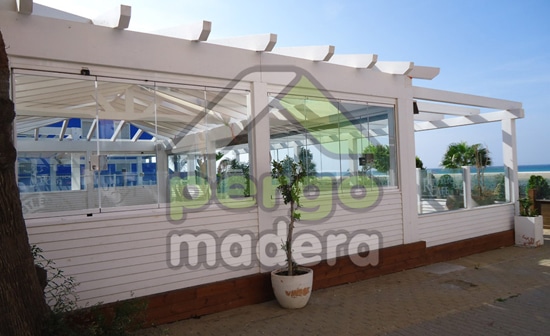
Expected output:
(68, 67)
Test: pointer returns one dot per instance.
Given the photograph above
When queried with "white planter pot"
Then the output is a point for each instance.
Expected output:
(529, 231)
(292, 291)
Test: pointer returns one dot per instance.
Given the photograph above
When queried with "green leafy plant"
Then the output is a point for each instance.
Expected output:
(306, 157)
(541, 186)
(526, 208)
(500, 191)
(65, 319)
(289, 176)
(380, 155)
(60, 289)
(419, 163)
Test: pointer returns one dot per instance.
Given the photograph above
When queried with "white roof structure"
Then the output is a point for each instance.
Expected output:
(166, 86)
(437, 109)
(41, 38)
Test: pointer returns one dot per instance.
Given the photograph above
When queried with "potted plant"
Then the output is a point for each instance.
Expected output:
(292, 284)
(528, 225)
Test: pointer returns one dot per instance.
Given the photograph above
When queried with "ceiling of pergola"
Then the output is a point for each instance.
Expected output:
(180, 121)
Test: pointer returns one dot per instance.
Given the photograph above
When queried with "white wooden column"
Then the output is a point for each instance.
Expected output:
(467, 187)
(419, 190)
(139, 171)
(162, 176)
(510, 160)
(259, 142)
(407, 163)
(75, 171)
(53, 174)
(91, 175)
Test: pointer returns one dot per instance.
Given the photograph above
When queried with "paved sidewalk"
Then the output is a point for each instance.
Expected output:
(500, 292)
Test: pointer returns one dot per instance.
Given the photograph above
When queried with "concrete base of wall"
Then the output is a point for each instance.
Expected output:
(215, 297)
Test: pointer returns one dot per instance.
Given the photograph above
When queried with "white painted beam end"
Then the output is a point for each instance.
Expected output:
(313, 53)
(423, 72)
(261, 42)
(25, 6)
(118, 18)
(195, 31)
(360, 61)
(394, 68)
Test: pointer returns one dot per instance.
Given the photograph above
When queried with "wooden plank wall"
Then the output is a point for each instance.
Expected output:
(118, 255)
(385, 218)
(545, 212)
(445, 227)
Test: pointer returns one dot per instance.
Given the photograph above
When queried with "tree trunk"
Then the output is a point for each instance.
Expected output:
(22, 304)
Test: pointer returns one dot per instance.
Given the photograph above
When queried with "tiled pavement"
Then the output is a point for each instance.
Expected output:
(500, 292)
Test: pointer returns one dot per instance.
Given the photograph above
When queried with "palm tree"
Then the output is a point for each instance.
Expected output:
(461, 154)
(458, 154)
(481, 161)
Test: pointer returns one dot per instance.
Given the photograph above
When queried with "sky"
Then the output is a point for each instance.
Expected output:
(495, 48)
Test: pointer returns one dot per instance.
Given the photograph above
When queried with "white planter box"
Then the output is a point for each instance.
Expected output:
(529, 231)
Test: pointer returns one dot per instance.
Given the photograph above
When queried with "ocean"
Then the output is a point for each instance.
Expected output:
(542, 168)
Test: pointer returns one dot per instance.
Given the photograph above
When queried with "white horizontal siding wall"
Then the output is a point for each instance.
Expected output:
(118, 255)
(445, 227)
(114, 256)
(384, 218)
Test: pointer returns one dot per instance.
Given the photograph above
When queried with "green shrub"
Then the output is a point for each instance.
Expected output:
(541, 185)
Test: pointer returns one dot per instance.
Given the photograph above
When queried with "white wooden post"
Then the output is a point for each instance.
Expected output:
(419, 189)
(162, 176)
(75, 171)
(467, 186)
(259, 142)
(139, 171)
(407, 164)
(509, 157)
(53, 173)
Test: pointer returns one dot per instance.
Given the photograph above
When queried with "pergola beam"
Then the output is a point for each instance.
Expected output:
(423, 72)
(196, 31)
(63, 129)
(25, 6)
(463, 99)
(137, 135)
(446, 109)
(423, 116)
(313, 53)
(117, 131)
(262, 42)
(394, 68)
(469, 120)
(92, 130)
(118, 18)
(51, 145)
(359, 61)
